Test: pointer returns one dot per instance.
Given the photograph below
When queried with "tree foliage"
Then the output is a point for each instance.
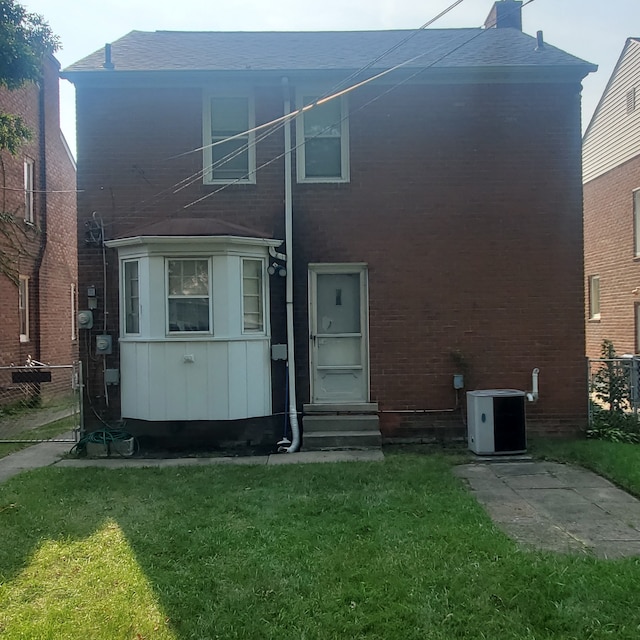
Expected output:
(25, 39)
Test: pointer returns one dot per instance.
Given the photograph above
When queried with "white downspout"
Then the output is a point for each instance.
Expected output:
(288, 234)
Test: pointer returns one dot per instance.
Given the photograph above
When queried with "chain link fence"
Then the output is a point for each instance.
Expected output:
(41, 403)
(614, 384)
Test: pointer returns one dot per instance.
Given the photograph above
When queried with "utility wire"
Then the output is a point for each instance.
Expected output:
(344, 92)
(275, 125)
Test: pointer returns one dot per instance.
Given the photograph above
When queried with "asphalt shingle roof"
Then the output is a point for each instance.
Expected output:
(336, 50)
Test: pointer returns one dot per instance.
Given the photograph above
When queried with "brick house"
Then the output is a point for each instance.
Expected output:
(611, 175)
(436, 225)
(38, 286)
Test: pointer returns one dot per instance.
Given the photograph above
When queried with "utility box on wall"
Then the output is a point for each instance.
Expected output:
(496, 421)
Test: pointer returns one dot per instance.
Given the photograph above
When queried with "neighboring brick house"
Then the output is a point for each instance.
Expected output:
(38, 191)
(611, 175)
(436, 226)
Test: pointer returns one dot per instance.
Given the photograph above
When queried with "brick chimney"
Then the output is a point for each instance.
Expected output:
(505, 14)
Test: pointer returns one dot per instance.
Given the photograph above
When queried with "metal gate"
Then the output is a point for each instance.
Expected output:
(41, 403)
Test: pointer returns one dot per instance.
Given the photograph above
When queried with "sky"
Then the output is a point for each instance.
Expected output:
(594, 30)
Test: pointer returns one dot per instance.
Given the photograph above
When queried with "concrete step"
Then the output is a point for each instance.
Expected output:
(332, 440)
(362, 407)
(315, 423)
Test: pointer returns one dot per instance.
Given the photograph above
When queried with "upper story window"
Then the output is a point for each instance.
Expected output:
(594, 297)
(23, 308)
(130, 272)
(229, 151)
(322, 140)
(188, 295)
(636, 223)
(28, 190)
(252, 296)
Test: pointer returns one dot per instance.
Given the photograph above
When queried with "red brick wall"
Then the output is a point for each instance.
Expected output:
(48, 255)
(609, 253)
(465, 202)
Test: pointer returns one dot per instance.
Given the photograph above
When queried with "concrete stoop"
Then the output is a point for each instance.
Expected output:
(336, 431)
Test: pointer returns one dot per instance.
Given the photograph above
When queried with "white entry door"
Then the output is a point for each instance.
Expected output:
(339, 352)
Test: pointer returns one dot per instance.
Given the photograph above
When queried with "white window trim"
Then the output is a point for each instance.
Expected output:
(592, 280)
(209, 262)
(23, 296)
(123, 288)
(300, 140)
(29, 190)
(207, 155)
(254, 332)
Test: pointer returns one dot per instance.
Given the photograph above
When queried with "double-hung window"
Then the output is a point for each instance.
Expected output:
(23, 308)
(28, 190)
(322, 140)
(252, 296)
(229, 152)
(131, 296)
(594, 297)
(188, 295)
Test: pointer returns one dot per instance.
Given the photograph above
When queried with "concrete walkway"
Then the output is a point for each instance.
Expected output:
(557, 507)
(51, 453)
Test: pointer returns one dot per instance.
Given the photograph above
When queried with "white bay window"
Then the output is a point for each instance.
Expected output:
(195, 339)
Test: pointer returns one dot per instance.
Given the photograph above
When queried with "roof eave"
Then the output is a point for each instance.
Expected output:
(111, 77)
(140, 240)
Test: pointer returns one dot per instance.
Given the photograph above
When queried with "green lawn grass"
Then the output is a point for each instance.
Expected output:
(618, 461)
(388, 550)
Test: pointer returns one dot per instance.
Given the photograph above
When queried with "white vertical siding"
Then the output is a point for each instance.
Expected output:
(613, 136)
(227, 380)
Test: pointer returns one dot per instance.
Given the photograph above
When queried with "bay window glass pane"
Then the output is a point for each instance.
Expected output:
(252, 298)
(189, 314)
(131, 297)
(323, 157)
(188, 277)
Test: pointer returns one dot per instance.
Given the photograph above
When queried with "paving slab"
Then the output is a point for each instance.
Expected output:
(557, 507)
(33, 457)
(52, 453)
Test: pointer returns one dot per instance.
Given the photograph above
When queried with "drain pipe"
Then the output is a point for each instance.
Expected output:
(288, 223)
(532, 396)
